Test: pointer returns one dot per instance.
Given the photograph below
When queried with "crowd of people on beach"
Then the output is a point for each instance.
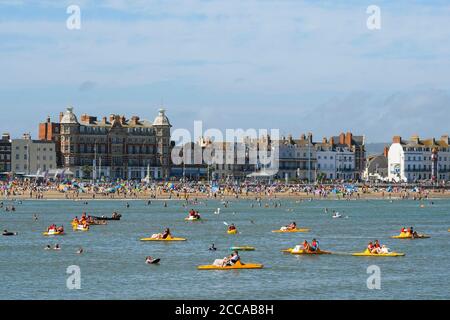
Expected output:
(182, 190)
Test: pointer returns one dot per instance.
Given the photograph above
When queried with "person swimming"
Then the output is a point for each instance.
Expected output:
(48, 247)
(57, 247)
(80, 251)
(212, 248)
(231, 227)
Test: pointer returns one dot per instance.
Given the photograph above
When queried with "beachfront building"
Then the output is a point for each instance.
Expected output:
(112, 148)
(419, 159)
(377, 167)
(32, 157)
(5, 154)
(297, 158)
(338, 157)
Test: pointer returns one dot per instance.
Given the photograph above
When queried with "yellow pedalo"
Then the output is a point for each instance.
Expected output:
(409, 236)
(80, 227)
(302, 251)
(53, 233)
(292, 230)
(236, 266)
(367, 253)
(167, 239)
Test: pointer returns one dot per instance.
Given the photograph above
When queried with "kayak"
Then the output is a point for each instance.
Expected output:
(409, 236)
(292, 251)
(53, 233)
(243, 248)
(167, 239)
(366, 253)
(289, 231)
(237, 265)
(232, 231)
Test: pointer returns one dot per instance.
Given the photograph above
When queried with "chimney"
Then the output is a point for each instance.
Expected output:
(122, 119)
(445, 139)
(415, 139)
(290, 138)
(303, 137)
(397, 139)
(332, 142)
(104, 120)
(84, 118)
(112, 117)
(6, 136)
(61, 115)
(48, 119)
(26, 136)
(348, 139)
(310, 137)
(135, 120)
(342, 138)
(386, 151)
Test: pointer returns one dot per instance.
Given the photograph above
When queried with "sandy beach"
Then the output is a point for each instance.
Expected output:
(56, 195)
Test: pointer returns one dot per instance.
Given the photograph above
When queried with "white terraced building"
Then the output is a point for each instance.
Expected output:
(419, 160)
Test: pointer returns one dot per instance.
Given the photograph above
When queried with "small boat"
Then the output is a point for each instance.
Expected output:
(8, 234)
(80, 228)
(53, 233)
(408, 235)
(243, 248)
(366, 253)
(167, 239)
(234, 231)
(98, 223)
(237, 265)
(291, 230)
(115, 218)
(302, 251)
(337, 215)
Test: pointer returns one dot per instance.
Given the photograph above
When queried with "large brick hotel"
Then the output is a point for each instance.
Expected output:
(114, 147)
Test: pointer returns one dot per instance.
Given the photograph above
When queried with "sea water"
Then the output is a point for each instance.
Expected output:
(113, 263)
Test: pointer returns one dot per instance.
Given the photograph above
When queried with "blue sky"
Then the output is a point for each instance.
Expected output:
(299, 66)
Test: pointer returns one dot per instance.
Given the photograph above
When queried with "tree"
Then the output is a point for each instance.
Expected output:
(87, 170)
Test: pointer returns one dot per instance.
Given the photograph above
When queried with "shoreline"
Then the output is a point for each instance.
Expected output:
(56, 196)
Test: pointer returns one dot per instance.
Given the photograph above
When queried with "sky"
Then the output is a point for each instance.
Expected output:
(298, 66)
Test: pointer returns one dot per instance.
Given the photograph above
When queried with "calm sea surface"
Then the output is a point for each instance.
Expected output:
(113, 267)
